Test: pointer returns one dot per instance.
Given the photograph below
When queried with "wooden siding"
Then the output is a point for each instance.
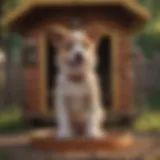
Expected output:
(36, 96)
(125, 71)
(31, 72)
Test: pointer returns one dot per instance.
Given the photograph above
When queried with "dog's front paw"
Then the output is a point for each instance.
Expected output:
(63, 134)
(96, 134)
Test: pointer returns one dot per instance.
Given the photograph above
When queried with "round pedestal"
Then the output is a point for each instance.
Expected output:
(46, 140)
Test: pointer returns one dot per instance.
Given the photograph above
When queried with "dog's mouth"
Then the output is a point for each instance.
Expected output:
(77, 62)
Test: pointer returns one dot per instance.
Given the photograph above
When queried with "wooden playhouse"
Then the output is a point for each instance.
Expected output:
(119, 20)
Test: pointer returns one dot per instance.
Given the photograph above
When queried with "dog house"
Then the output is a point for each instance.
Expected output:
(114, 20)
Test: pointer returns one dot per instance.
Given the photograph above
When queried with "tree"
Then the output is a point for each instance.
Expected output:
(149, 38)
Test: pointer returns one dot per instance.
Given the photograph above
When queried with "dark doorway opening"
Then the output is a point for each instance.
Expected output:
(51, 73)
(104, 70)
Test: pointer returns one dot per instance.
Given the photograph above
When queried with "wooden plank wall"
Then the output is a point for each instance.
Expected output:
(125, 71)
(34, 76)
(32, 79)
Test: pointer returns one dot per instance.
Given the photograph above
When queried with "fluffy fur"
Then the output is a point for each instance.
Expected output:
(77, 102)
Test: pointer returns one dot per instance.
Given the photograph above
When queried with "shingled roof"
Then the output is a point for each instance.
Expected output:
(132, 7)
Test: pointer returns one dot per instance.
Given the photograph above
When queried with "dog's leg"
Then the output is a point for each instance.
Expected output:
(96, 113)
(64, 128)
(94, 123)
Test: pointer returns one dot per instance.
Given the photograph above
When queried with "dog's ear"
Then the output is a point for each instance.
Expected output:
(95, 32)
(57, 35)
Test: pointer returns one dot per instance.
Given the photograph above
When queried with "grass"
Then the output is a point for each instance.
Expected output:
(148, 121)
(10, 121)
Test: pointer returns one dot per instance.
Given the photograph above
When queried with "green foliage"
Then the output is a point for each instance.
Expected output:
(148, 121)
(149, 38)
(10, 121)
(150, 43)
(154, 100)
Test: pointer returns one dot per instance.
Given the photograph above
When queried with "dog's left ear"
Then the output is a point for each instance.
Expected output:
(95, 32)
(57, 35)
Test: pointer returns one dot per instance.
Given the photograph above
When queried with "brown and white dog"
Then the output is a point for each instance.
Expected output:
(77, 97)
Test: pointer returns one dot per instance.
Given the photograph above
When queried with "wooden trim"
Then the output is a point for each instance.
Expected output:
(77, 2)
(115, 76)
(114, 64)
(46, 140)
(136, 8)
(25, 6)
(43, 80)
(113, 34)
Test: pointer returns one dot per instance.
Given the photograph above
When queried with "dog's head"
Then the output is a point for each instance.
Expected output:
(75, 50)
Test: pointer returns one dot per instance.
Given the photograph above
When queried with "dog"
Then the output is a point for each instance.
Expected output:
(77, 97)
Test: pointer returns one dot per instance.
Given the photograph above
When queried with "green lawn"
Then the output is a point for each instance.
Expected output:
(10, 121)
(148, 121)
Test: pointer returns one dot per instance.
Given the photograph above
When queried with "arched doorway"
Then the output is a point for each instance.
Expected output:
(104, 70)
(51, 71)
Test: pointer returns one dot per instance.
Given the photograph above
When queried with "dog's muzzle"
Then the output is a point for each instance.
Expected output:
(77, 61)
(78, 58)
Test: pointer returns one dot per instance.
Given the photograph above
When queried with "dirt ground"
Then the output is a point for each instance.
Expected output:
(17, 147)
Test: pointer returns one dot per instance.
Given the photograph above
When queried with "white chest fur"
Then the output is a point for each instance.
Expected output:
(72, 109)
(76, 97)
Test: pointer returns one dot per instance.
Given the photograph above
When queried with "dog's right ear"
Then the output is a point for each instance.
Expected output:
(57, 35)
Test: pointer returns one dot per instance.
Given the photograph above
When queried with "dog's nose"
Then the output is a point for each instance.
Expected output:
(78, 57)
